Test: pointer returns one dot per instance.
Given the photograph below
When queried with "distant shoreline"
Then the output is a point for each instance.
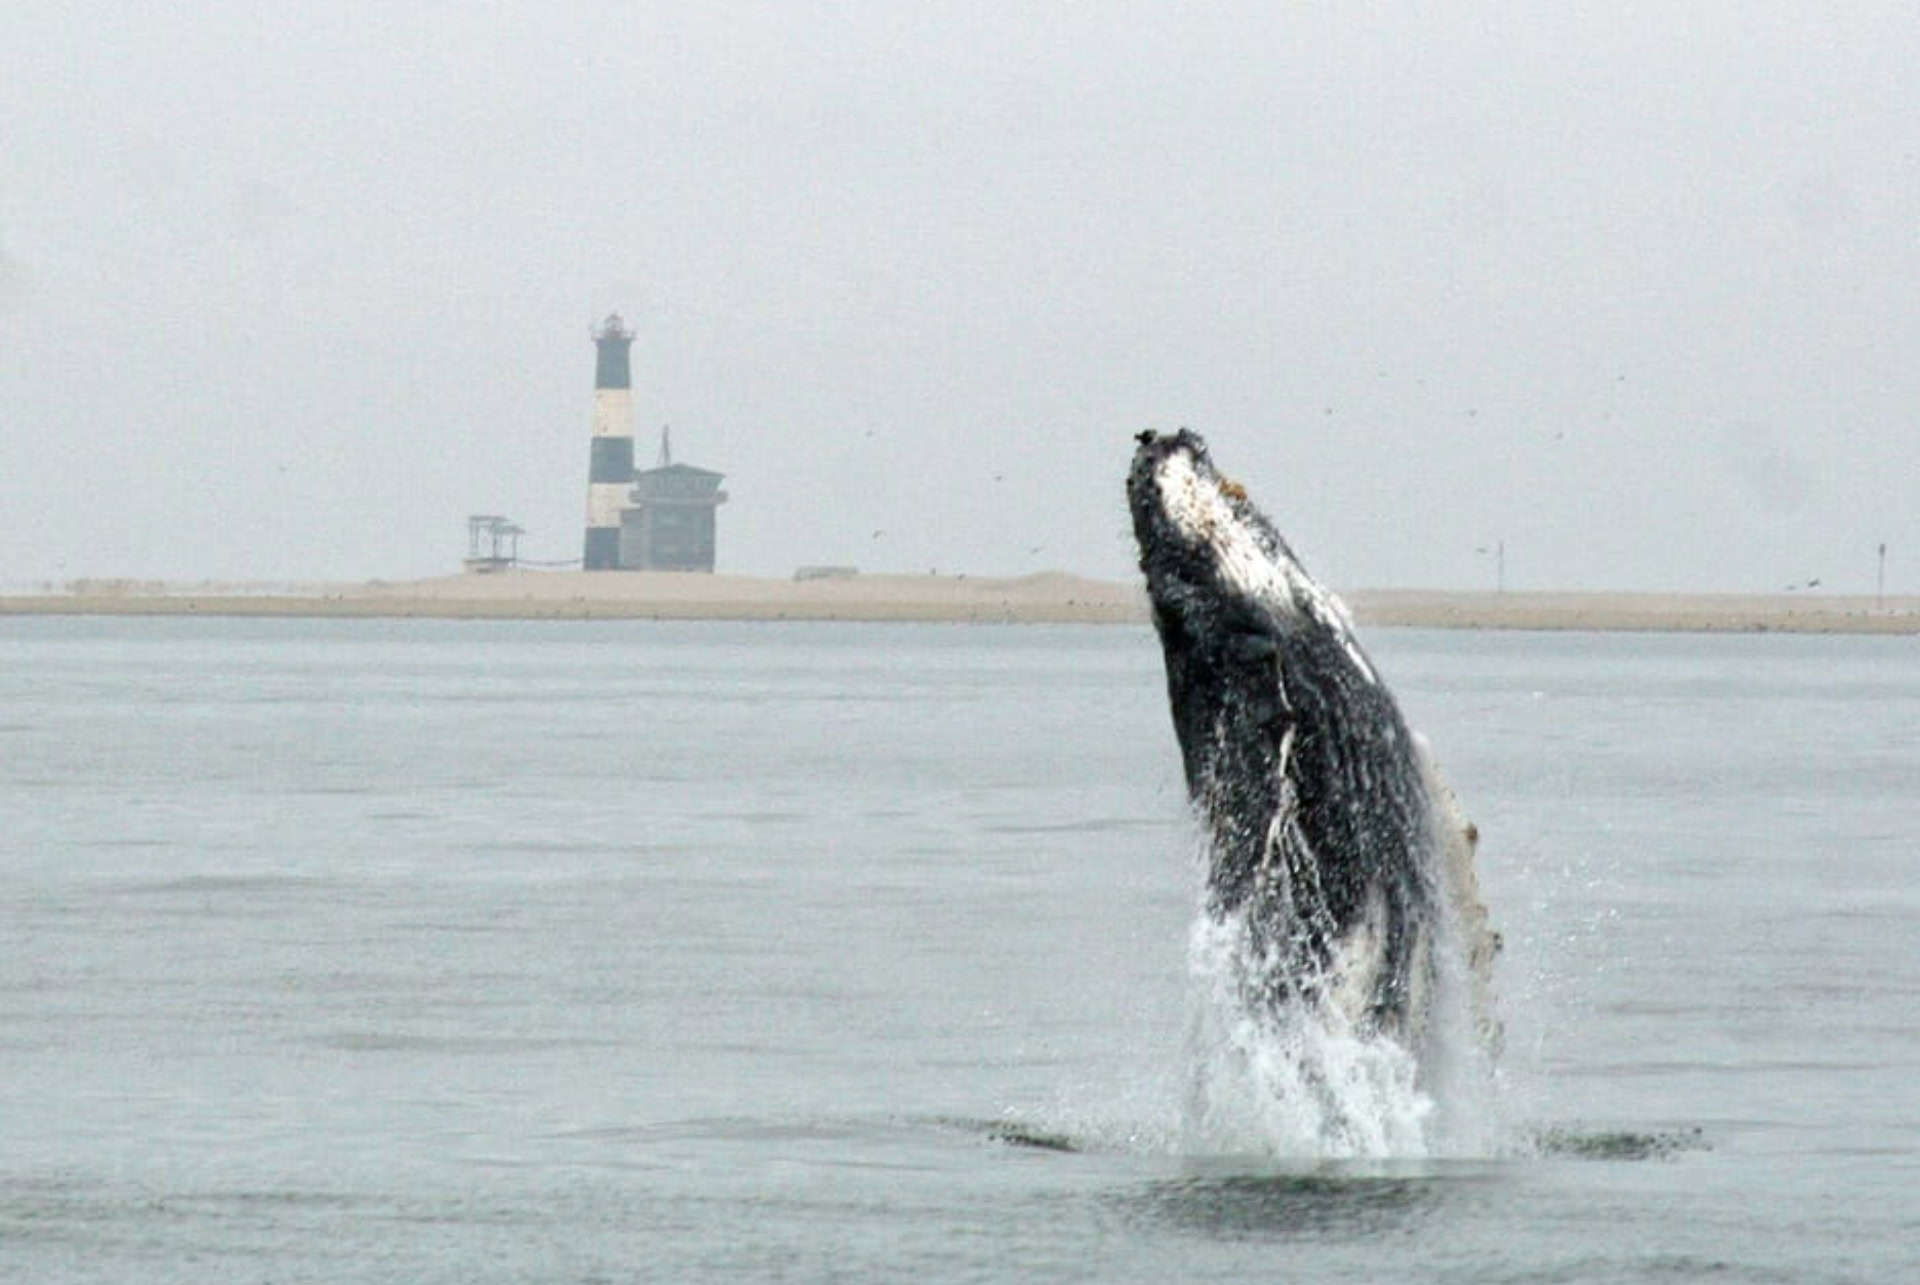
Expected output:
(1045, 598)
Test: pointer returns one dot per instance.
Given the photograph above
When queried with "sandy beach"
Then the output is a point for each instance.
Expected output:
(1642, 612)
(1046, 597)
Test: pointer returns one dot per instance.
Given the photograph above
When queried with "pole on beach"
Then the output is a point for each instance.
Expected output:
(1499, 552)
(1880, 580)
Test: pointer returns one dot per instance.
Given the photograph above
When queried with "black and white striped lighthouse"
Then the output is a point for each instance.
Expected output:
(610, 468)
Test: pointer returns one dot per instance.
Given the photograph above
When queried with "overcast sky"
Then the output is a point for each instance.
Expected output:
(287, 290)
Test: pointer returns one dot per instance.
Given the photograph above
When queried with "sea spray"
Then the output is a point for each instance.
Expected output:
(1300, 1079)
(1458, 1050)
(1290, 1079)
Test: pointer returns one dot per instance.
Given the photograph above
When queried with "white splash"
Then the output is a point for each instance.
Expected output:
(1297, 1082)
(1303, 1081)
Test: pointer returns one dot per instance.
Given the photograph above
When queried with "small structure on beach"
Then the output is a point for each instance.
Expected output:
(493, 542)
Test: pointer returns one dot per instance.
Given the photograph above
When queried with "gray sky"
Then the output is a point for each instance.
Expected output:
(288, 290)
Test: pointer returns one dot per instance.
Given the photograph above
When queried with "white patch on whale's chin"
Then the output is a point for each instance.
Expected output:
(1195, 506)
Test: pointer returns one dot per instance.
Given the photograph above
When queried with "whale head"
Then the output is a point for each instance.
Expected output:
(1235, 609)
(1196, 526)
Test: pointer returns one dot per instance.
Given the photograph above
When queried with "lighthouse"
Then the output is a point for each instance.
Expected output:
(610, 467)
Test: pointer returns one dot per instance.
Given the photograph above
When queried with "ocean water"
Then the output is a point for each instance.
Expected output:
(433, 951)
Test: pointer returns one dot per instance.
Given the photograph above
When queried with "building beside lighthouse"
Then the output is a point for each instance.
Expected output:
(658, 519)
(671, 524)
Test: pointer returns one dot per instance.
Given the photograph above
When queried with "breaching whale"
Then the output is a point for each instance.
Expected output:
(1333, 846)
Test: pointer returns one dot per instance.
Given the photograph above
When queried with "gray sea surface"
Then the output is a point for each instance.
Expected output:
(510, 952)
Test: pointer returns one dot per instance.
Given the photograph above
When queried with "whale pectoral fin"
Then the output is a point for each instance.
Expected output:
(1457, 840)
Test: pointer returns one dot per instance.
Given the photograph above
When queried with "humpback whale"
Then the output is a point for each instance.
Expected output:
(1333, 848)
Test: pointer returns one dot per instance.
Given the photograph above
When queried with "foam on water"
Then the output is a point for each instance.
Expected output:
(1295, 1080)
(1301, 1080)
